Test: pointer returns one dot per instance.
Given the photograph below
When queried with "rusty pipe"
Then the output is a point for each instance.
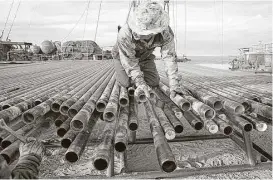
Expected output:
(59, 121)
(103, 100)
(177, 125)
(123, 97)
(193, 120)
(165, 157)
(68, 138)
(133, 120)
(181, 102)
(121, 136)
(62, 130)
(165, 124)
(102, 156)
(112, 106)
(223, 125)
(258, 125)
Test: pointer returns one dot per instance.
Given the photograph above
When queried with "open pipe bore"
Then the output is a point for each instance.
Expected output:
(71, 157)
(100, 164)
(168, 166)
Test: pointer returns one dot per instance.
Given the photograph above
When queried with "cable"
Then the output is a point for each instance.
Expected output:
(74, 25)
(174, 25)
(176, 22)
(97, 22)
(217, 26)
(222, 31)
(13, 20)
(185, 36)
(6, 20)
(86, 19)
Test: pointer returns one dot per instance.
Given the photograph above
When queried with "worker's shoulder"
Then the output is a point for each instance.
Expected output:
(125, 33)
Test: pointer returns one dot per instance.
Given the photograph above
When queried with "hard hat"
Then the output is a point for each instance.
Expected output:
(148, 18)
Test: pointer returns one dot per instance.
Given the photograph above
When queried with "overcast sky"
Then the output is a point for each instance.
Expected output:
(245, 23)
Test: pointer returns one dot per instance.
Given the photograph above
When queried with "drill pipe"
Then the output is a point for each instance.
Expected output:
(78, 86)
(123, 97)
(224, 127)
(49, 119)
(111, 109)
(59, 121)
(193, 120)
(62, 130)
(103, 100)
(121, 136)
(210, 126)
(76, 148)
(14, 111)
(102, 156)
(103, 81)
(68, 138)
(131, 91)
(240, 122)
(39, 94)
(177, 125)
(14, 127)
(201, 109)
(80, 121)
(133, 120)
(165, 123)
(258, 125)
(30, 116)
(11, 152)
(181, 102)
(10, 139)
(87, 85)
(164, 153)
(140, 95)
(213, 101)
(226, 96)
(164, 100)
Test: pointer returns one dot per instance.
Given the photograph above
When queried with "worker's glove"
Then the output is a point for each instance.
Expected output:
(143, 88)
(32, 147)
(175, 90)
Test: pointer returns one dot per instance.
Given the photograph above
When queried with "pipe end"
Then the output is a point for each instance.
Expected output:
(120, 147)
(168, 166)
(71, 157)
(100, 164)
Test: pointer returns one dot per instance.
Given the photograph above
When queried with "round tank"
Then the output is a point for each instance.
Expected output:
(48, 47)
(36, 49)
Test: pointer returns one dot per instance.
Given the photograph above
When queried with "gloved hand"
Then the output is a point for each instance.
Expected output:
(142, 88)
(174, 90)
(32, 146)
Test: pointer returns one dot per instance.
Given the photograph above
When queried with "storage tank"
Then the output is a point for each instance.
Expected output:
(48, 47)
(36, 49)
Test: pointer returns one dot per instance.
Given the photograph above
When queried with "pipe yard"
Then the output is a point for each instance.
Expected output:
(95, 128)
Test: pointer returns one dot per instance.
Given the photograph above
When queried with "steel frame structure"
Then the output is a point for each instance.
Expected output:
(261, 159)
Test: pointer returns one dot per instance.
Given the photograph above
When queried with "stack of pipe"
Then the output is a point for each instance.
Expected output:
(74, 96)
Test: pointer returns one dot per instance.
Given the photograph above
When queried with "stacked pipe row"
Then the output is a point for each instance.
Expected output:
(78, 95)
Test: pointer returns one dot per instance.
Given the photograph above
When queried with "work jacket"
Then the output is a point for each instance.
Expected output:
(130, 50)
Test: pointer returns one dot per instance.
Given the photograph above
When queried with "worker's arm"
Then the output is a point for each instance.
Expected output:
(127, 56)
(27, 167)
(31, 154)
(168, 55)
